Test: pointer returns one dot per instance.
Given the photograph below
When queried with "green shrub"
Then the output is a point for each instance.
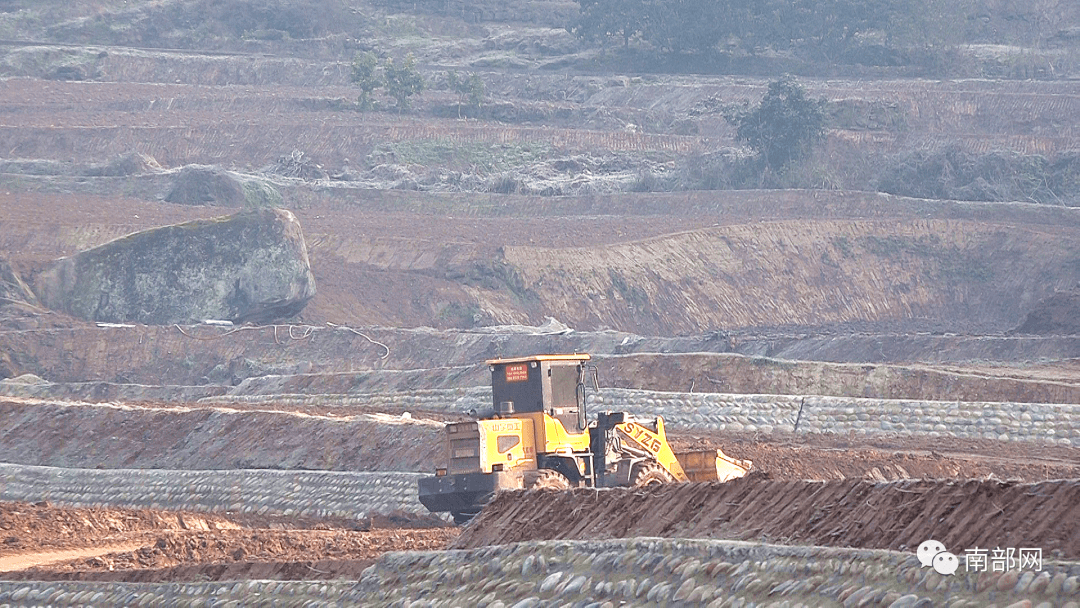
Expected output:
(955, 174)
(365, 75)
(402, 80)
(784, 126)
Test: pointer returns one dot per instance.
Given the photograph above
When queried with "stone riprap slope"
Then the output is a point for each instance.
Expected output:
(350, 432)
(263, 492)
(1035, 422)
(607, 573)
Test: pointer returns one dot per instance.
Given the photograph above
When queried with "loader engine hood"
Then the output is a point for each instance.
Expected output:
(474, 447)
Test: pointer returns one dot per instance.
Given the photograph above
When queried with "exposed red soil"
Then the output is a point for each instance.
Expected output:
(180, 437)
(890, 457)
(961, 514)
(33, 527)
(172, 549)
(424, 259)
(164, 545)
(36, 527)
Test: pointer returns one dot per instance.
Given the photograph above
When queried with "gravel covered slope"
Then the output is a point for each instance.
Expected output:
(299, 493)
(605, 573)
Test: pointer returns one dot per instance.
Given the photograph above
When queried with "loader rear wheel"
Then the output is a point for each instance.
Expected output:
(548, 479)
(649, 473)
(463, 517)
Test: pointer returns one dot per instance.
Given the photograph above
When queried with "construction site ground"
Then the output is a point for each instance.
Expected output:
(43, 541)
(864, 350)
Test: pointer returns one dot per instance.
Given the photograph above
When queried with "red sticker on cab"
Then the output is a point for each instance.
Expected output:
(518, 372)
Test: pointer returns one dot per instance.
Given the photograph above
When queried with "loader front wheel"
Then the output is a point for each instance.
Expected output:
(649, 473)
(548, 479)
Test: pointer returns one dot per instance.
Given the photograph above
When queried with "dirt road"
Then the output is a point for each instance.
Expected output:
(24, 561)
(44, 542)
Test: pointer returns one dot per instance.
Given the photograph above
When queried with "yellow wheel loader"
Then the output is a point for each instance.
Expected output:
(537, 436)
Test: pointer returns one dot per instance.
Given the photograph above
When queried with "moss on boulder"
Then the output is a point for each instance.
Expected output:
(252, 266)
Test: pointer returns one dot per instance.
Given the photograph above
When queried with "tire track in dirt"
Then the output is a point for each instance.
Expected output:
(849, 513)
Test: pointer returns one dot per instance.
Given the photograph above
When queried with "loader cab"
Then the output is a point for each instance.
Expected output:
(548, 384)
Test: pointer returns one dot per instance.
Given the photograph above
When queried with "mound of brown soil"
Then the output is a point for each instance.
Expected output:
(898, 515)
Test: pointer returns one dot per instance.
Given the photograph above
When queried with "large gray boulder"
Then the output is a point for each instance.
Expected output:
(252, 266)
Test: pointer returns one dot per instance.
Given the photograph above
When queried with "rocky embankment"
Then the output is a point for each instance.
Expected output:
(609, 573)
(262, 492)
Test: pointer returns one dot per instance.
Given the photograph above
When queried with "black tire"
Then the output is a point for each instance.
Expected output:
(649, 473)
(548, 479)
(463, 517)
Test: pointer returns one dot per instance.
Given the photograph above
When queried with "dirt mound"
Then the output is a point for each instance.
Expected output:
(206, 185)
(898, 515)
(827, 457)
(212, 438)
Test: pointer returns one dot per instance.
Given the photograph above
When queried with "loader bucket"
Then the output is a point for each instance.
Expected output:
(712, 465)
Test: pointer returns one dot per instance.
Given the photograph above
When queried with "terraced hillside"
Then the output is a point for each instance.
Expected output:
(885, 330)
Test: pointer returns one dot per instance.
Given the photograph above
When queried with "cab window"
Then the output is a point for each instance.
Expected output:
(505, 443)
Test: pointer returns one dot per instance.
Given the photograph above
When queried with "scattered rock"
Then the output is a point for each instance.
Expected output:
(132, 163)
(25, 379)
